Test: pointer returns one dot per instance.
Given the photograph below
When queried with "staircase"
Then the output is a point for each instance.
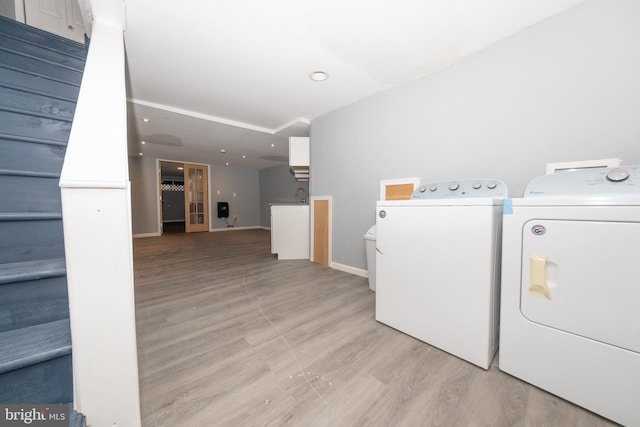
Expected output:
(40, 76)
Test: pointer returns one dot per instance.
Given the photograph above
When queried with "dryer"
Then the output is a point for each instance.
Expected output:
(570, 297)
(438, 266)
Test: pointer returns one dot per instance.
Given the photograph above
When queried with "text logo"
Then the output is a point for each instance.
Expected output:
(34, 415)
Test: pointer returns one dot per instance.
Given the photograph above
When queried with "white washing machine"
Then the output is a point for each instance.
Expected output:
(570, 304)
(438, 266)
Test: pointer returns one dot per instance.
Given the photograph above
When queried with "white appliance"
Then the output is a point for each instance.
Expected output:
(438, 266)
(570, 304)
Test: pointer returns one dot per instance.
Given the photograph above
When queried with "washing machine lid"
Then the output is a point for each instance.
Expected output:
(462, 189)
(605, 182)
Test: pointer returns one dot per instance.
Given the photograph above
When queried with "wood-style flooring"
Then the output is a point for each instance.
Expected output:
(230, 336)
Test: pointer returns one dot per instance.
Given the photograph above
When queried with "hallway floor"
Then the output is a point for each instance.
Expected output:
(229, 336)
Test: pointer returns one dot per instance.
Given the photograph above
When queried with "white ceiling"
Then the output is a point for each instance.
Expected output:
(234, 75)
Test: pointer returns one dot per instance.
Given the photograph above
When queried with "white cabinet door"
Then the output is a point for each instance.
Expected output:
(290, 231)
(61, 17)
(298, 151)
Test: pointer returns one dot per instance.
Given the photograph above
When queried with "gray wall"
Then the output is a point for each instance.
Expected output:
(144, 206)
(8, 8)
(277, 185)
(566, 89)
(226, 181)
(172, 206)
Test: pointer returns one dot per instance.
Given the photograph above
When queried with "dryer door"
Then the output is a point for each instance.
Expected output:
(583, 277)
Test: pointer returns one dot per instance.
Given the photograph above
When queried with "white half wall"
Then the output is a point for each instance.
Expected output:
(98, 240)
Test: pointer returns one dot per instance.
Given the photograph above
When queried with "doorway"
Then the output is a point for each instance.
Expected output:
(184, 197)
(172, 197)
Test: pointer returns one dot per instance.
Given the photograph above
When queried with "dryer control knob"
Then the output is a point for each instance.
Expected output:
(422, 189)
(476, 185)
(454, 186)
(433, 188)
(491, 185)
(618, 175)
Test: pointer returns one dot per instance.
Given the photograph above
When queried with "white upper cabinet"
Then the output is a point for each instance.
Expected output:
(299, 157)
(299, 151)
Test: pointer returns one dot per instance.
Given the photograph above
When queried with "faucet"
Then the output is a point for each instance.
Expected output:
(304, 194)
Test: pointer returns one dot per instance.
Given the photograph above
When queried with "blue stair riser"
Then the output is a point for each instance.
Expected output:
(46, 382)
(29, 194)
(12, 28)
(34, 50)
(19, 101)
(34, 157)
(25, 126)
(31, 240)
(33, 302)
(32, 66)
(36, 84)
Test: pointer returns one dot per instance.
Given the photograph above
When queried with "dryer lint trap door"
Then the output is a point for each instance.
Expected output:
(582, 277)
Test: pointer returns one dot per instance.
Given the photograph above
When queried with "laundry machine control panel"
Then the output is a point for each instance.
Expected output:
(467, 188)
(621, 180)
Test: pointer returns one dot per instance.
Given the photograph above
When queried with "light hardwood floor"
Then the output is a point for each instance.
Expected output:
(230, 336)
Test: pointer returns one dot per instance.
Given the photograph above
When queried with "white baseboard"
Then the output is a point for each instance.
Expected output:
(352, 270)
(254, 227)
(135, 236)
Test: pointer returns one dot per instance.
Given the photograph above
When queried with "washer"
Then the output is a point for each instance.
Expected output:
(438, 266)
(570, 304)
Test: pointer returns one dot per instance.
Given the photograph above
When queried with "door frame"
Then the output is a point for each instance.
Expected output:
(312, 201)
(159, 190)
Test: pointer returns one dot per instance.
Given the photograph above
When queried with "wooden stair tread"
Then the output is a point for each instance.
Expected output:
(32, 270)
(29, 216)
(34, 344)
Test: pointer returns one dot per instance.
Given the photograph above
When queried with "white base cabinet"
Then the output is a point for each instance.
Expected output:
(290, 231)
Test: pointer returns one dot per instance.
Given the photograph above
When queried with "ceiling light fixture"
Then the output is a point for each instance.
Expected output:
(146, 120)
(223, 151)
(143, 142)
(273, 145)
(180, 168)
(318, 76)
(140, 154)
(244, 157)
(227, 163)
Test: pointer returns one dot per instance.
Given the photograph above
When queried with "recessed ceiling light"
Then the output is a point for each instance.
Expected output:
(143, 142)
(318, 76)
(273, 145)
(223, 151)
(140, 154)
(227, 163)
(146, 120)
(180, 168)
(244, 157)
